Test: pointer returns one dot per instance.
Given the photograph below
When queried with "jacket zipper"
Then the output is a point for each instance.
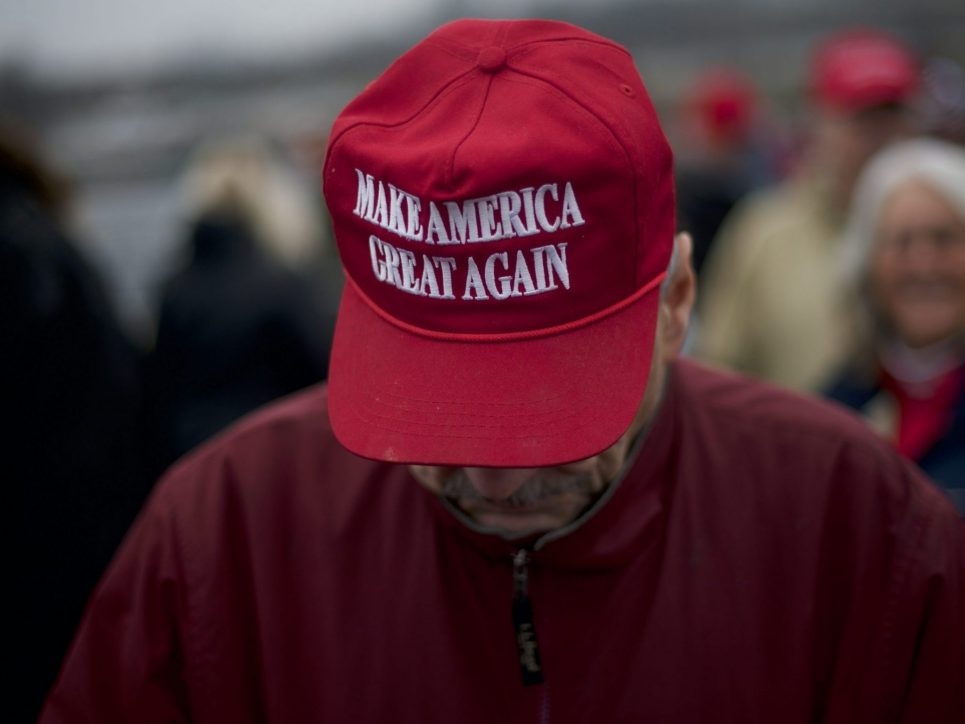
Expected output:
(527, 645)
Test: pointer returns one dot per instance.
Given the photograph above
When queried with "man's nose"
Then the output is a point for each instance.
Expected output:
(497, 483)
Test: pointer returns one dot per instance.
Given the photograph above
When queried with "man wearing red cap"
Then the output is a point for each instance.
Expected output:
(770, 293)
(512, 503)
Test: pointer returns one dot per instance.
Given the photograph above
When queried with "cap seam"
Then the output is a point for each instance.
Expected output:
(462, 51)
(528, 45)
(498, 337)
(450, 171)
(375, 420)
(445, 89)
(493, 403)
(501, 29)
(498, 421)
(616, 137)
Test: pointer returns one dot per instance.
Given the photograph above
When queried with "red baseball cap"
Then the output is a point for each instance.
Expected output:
(724, 101)
(859, 68)
(502, 201)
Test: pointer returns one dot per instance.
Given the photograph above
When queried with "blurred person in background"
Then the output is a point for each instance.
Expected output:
(241, 323)
(723, 153)
(771, 296)
(942, 101)
(70, 404)
(905, 258)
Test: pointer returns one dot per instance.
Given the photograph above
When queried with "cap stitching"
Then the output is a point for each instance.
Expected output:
(446, 88)
(508, 336)
(529, 45)
(450, 171)
(501, 29)
(498, 421)
(495, 403)
(626, 152)
(498, 35)
(460, 52)
(376, 420)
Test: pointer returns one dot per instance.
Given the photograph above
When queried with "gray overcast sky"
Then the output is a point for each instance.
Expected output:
(77, 36)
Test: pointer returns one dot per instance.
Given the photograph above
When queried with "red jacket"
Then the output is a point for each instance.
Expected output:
(765, 559)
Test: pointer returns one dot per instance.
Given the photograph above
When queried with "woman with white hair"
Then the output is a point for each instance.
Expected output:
(905, 259)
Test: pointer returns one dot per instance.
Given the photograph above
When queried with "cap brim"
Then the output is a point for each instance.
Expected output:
(399, 396)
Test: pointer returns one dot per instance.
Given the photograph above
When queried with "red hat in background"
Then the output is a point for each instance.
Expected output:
(857, 69)
(724, 101)
(502, 200)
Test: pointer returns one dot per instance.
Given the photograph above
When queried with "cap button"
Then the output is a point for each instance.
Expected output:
(491, 59)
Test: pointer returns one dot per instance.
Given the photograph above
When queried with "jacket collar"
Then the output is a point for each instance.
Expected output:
(608, 532)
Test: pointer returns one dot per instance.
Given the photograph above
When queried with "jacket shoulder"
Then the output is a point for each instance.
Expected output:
(766, 407)
(803, 451)
(267, 466)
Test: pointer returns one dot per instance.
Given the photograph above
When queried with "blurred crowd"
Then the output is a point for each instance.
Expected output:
(244, 316)
(838, 266)
(830, 249)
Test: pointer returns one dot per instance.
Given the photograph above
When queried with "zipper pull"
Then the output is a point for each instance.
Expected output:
(526, 642)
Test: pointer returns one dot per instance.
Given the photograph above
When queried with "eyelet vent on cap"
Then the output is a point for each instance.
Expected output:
(491, 59)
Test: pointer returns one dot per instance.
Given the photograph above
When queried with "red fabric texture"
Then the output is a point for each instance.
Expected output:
(765, 559)
(502, 178)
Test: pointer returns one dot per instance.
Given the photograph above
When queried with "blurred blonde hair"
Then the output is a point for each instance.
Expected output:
(242, 177)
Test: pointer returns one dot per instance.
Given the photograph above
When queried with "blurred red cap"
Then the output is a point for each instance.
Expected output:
(724, 101)
(857, 69)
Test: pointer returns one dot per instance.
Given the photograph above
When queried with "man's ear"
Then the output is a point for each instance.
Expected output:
(677, 298)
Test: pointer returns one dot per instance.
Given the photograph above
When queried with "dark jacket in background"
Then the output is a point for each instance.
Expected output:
(236, 330)
(71, 437)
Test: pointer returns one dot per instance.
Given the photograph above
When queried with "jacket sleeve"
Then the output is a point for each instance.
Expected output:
(904, 659)
(126, 662)
(934, 672)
